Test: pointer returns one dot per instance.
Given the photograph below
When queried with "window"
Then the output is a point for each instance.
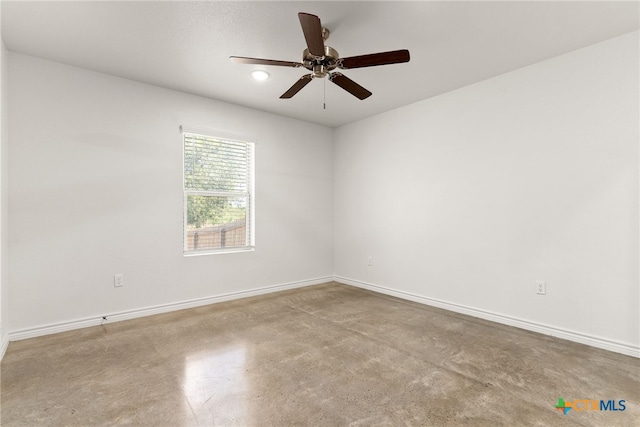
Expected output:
(218, 193)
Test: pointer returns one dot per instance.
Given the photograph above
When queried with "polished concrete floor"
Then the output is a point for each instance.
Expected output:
(324, 355)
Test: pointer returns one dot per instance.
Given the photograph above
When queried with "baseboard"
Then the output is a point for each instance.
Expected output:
(593, 341)
(4, 343)
(150, 311)
(590, 340)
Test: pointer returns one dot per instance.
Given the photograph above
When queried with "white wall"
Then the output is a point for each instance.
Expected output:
(4, 141)
(96, 189)
(466, 199)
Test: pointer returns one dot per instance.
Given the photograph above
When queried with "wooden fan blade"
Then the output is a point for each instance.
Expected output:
(258, 61)
(349, 85)
(373, 59)
(312, 30)
(297, 86)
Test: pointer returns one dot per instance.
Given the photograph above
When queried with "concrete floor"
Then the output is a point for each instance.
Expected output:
(323, 355)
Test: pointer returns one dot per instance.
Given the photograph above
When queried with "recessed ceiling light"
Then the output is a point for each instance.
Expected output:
(260, 75)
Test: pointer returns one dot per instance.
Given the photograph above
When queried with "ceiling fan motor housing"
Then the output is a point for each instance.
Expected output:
(320, 66)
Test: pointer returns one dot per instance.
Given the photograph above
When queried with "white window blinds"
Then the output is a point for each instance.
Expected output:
(218, 193)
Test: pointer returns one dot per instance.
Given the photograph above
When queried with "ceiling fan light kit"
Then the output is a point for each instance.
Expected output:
(260, 75)
(322, 60)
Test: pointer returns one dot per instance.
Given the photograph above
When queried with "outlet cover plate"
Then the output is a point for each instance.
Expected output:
(118, 280)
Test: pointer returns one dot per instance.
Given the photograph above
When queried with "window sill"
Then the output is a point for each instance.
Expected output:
(217, 251)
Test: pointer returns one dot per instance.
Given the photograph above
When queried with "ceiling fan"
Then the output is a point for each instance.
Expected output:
(321, 60)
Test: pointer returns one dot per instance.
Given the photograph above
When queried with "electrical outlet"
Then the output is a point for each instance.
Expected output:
(370, 261)
(541, 287)
(118, 280)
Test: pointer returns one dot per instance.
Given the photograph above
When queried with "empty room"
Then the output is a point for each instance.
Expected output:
(367, 213)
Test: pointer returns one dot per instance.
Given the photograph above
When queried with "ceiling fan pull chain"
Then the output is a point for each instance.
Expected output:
(324, 94)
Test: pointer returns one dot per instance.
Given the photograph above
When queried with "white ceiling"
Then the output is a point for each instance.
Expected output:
(186, 45)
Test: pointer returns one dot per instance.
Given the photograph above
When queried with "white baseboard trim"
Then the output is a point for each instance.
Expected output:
(4, 343)
(553, 331)
(150, 311)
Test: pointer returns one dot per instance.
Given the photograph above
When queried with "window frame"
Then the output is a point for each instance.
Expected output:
(220, 136)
